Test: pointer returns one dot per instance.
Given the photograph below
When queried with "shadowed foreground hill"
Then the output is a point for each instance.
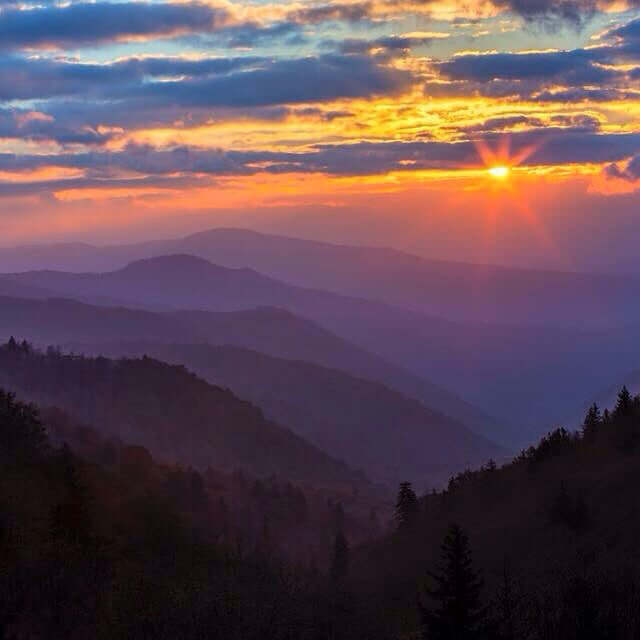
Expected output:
(275, 332)
(176, 415)
(369, 426)
(114, 546)
(99, 540)
(555, 534)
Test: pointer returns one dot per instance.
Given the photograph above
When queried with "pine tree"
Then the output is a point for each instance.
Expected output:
(407, 506)
(592, 421)
(21, 432)
(457, 612)
(624, 406)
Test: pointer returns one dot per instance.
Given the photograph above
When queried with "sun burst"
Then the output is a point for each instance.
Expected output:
(501, 172)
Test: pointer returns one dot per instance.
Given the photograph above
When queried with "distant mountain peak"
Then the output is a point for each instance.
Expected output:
(181, 262)
(172, 260)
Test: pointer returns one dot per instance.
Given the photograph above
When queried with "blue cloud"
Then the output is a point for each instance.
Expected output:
(312, 79)
(78, 24)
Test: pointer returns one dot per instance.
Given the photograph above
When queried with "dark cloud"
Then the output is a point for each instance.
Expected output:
(630, 173)
(240, 82)
(321, 114)
(388, 45)
(551, 13)
(552, 76)
(577, 122)
(501, 124)
(580, 120)
(545, 146)
(354, 12)
(42, 78)
(32, 125)
(575, 67)
(78, 24)
(629, 32)
(250, 34)
(313, 79)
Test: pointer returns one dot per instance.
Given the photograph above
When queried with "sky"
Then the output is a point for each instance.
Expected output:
(485, 130)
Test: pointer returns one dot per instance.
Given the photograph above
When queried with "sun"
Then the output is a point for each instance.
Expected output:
(500, 172)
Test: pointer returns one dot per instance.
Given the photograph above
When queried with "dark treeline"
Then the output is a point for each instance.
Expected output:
(111, 544)
(100, 540)
(174, 413)
(547, 545)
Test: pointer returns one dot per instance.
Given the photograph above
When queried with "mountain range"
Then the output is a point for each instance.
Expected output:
(455, 290)
(499, 368)
(371, 427)
(176, 415)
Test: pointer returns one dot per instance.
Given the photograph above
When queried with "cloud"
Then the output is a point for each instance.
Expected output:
(26, 124)
(630, 172)
(548, 76)
(501, 124)
(252, 34)
(387, 45)
(353, 12)
(42, 78)
(313, 79)
(82, 23)
(546, 146)
(574, 67)
(576, 122)
(552, 13)
(137, 85)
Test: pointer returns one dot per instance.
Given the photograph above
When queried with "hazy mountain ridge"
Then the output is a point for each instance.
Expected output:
(500, 368)
(457, 290)
(176, 415)
(271, 331)
(371, 427)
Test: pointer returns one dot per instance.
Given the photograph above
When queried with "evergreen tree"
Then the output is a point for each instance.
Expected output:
(407, 506)
(592, 421)
(340, 559)
(457, 612)
(624, 405)
(21, 432)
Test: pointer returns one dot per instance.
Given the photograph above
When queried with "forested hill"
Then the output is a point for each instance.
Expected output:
(99, 540)
(543, 548)
(554, 535)
(176, 415)
(390, 436)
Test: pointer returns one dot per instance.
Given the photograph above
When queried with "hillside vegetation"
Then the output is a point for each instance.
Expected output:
(176, 415)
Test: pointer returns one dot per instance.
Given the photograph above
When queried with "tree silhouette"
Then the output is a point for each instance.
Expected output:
(407, 506)
(457, 612)
(21, 432)
(592, 421)
(624, 405)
